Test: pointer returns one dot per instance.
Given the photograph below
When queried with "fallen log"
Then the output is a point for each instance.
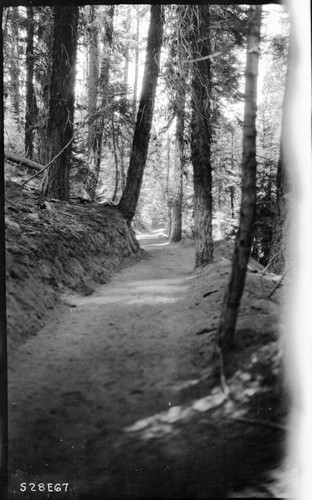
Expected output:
(23, 162)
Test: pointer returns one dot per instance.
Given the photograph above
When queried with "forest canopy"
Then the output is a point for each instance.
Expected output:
(106, 84)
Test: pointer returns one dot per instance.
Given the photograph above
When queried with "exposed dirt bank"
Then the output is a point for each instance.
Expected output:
(119, 393)
(56, 247)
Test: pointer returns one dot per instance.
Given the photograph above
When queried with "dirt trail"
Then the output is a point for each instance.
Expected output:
(104, 363)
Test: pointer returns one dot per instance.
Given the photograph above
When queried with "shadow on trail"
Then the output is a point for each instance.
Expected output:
(123, 399)
(199, 456)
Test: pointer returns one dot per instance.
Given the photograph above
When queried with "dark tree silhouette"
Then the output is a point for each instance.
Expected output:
(61, 108)
(131, 193)
(99, 85)
(244, 237)
(201, 137)
(31, 106)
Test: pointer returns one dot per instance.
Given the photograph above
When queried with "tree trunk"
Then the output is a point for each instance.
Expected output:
(179, 164)
(123, 140)
(167, 185)
(15, 66)
(201, 139)
(31, 106)
(115, 159)
(232, 198)
(93, 73)
(244, 237)
(44, 42)
(130, 196)
(136, 64)
(61, 109)
(96, 153)
(281, 218)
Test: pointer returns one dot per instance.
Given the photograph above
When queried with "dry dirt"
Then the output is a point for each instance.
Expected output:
(119, 393)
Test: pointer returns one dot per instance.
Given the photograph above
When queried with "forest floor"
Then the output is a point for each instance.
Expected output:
(118, 396)
(117, 392)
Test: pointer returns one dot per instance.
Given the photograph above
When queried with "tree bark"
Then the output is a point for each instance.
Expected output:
(44, 42)
(244, 237)
(31, 106)
(136, 64)
(179, 164)
(131, 193)
(99, 123)
(93, 73)
(115, 159)
(281, 229)
(62, 97)
(15, 66)
(201, 139)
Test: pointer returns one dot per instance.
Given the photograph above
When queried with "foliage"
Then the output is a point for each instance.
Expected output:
(227, 38)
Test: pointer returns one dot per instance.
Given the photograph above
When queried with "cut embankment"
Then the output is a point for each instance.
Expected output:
(54, 248)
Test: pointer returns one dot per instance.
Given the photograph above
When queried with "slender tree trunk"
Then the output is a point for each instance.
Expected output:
(93, 89)
(136, 64)
(44, 42)
(15, 66)
(93, 74)
(115, 159)
(167, 189)
(232, 195)
(123, 140)
(232, 188)
(167, 185)
(179, 164)
(201, 139)
(62, 97)
(31, 106)
(244, 237)
(96, 157)
(130, 196)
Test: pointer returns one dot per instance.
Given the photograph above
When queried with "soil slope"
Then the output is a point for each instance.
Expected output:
(119, 394)
(54, 247)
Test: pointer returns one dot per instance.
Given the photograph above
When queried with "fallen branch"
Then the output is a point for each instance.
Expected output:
(278, 283)
(22, 161)
(50, 163)
(270, 262)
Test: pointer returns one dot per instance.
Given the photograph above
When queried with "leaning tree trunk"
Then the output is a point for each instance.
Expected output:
(131, 193)
(244, 237)
(31, 106)
(201, 139)
(62, 97)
